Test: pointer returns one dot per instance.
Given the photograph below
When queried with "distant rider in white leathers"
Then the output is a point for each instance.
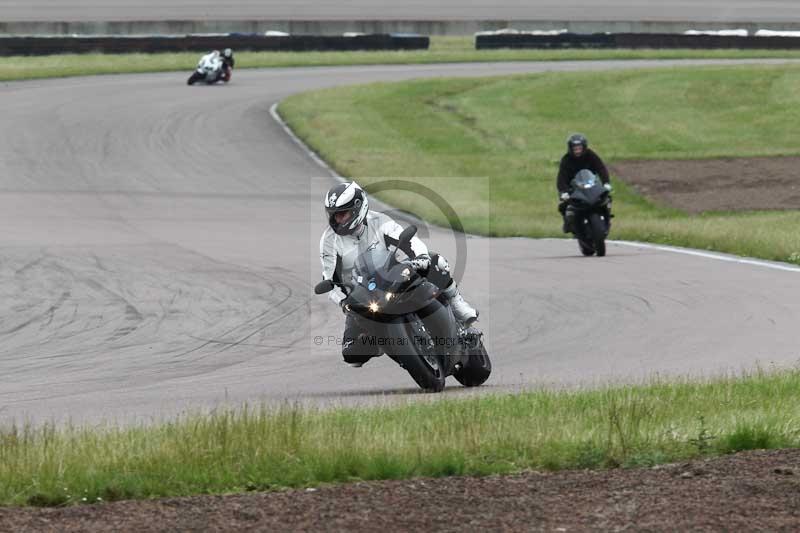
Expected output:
(221, 63)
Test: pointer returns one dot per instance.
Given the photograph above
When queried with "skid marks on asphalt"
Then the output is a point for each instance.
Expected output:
(133, 316)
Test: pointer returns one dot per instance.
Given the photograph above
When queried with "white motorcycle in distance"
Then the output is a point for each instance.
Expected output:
(210, 69)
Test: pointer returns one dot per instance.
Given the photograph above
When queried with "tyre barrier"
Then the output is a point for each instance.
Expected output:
(31, 46)
(633, 40)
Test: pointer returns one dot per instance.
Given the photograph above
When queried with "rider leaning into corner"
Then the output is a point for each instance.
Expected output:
(227, 64)
(354, 229)
(226, 57)
(578, 157)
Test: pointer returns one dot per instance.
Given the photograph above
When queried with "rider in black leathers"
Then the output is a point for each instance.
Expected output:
(578, 157)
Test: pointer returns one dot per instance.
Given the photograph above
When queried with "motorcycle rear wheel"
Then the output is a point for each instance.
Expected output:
(477, 370)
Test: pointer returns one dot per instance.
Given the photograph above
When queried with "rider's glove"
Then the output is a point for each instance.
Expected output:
(564, 196)
(608, 187)
(421, 263)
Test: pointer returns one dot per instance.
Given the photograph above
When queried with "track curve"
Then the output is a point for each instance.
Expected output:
(158, 253)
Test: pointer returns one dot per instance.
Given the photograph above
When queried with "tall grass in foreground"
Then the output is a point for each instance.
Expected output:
(454, 134)
(442, 50)
(270, 448)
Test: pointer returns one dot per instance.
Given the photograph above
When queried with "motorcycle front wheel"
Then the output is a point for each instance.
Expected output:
(597, 232)
(193, 78)
(586, 248)
(423, 365)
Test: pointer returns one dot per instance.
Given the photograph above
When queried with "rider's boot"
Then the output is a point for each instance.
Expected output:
(357, 350)
(463, 312)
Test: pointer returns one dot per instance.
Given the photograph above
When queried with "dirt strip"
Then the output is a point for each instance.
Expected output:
(744, 492)
(728, 184)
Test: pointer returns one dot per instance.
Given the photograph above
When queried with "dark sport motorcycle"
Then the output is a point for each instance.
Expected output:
(409, 321)
(589, 213)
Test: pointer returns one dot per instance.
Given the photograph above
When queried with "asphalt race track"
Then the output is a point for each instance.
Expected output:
(159, 247)
(573, 10)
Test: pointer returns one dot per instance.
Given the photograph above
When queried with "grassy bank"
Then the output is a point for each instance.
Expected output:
(442, 50)
(512, 131)
(268, 449)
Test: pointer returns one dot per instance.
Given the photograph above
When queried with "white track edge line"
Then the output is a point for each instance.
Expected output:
(786, 267)
(273, 110)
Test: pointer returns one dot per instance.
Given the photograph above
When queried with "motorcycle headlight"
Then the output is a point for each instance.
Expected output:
(389, 296)
(374, 307)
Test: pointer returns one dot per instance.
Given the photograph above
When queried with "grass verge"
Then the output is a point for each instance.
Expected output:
(512, 130)
(265, 449)
(442, 50)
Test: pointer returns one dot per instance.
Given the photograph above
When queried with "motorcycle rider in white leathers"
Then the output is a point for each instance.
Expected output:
(354, 229)
(220, 61)
(212, 57)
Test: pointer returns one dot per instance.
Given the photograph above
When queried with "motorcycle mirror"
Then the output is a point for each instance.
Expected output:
(406, 236)
(323, 286)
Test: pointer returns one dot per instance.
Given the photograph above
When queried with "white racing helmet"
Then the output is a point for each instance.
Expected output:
(342, 198)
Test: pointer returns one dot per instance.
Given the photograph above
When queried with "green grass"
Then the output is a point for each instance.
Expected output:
(442, 50)
(267, 449)
(512, 130)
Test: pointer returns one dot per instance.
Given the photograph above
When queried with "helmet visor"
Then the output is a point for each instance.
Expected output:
(342, 217)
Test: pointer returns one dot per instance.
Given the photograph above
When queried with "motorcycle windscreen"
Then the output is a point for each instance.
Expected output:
(369, 263)
(585, 179)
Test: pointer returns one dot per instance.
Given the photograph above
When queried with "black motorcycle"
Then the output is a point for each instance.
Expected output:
(409, 320)
(588, 213)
